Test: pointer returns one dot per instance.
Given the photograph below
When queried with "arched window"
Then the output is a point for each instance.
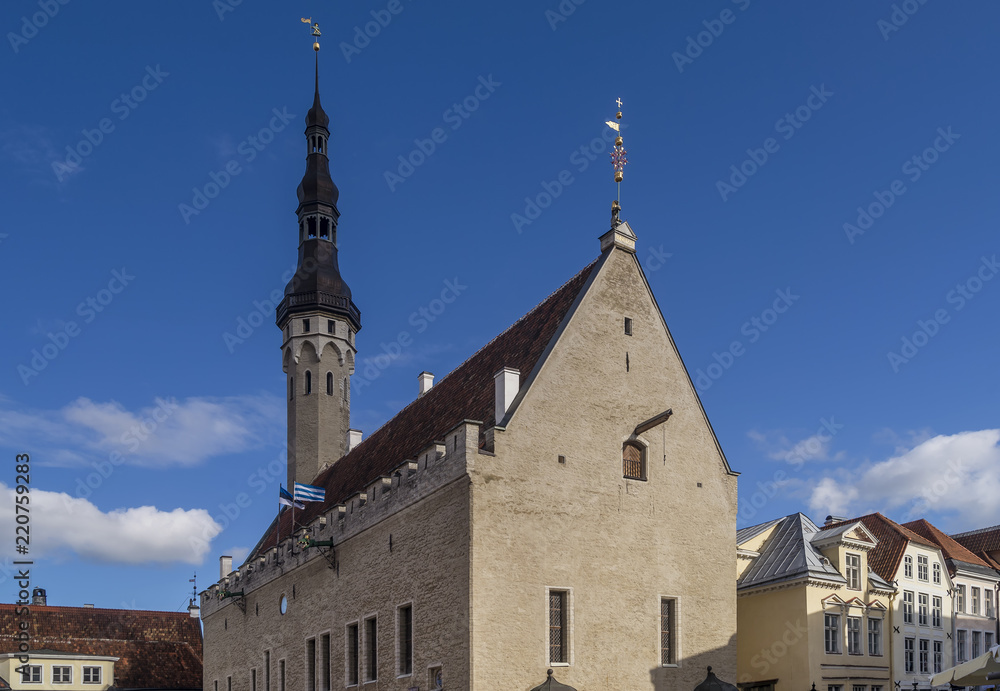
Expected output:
(329, 383)
(309, 382)
(633, 461)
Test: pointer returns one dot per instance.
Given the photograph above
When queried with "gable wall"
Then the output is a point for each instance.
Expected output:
(618, 544)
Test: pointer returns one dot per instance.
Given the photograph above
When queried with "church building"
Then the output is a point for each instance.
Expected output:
(556, 508)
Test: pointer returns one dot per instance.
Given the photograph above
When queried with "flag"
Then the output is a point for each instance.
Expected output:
(613, 125)
(287, 499)
(309, 492)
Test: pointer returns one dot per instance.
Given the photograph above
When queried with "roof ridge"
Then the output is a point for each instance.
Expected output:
(977, 531)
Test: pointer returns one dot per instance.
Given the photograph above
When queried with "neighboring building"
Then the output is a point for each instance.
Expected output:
(921, 615)
(74, 648)
(974, 624)
(984, 543)
(558, 501)
(810, 609)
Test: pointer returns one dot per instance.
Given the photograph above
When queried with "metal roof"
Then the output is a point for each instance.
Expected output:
(789, 554)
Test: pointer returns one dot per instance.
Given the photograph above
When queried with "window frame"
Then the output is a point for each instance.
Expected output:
(566, 626)
(923, 568)
(635, 444)
(854, 647)
(674, 632)
(960, 598)
(909, 654)
(923, 609)
(401, 672)
(937, 573)
(324, 661)
(31, 673)
(907, 604)
(875, 636)
(309, 658)
(68, 668)
(352, 635)
(961, 646)
(908, 566)
(852, 569)
(938, 656)
(370, 649)
(100, 674)
(974, 597)
(937, 611)
(836, 637)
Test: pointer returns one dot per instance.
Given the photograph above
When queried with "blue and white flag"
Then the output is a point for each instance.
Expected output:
(287, 499)
(309, 492)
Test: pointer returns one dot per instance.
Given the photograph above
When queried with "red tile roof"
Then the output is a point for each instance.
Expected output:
(158, 650)
(982, 540)
(952, 549)
(467, 393)
(892, 540)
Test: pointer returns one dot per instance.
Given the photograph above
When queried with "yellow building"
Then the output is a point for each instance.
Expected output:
(52, 670)
(809, 608)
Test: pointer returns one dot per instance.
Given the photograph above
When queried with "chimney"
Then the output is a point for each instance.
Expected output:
(193, 609)
(38, 596)
(426, 380)
(88, 606)
(353, 439)
(225, 567)
(507, 382)
(830, 520)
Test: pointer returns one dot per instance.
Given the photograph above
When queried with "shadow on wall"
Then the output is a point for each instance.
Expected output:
(693, 670)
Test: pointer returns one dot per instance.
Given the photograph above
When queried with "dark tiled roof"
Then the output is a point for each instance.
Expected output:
(952, 549)
(158, 650)
(892, 540)
(467, 393)
(982, 540)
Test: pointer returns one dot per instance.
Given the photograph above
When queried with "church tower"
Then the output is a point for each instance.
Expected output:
(317, 318)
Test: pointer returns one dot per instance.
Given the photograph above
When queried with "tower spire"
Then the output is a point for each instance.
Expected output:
(317, 317)
(618, 161)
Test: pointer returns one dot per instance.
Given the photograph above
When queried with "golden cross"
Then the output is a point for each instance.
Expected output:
(619, 102)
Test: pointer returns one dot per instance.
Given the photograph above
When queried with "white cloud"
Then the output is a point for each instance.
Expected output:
(168, 433)
(61, 524)
(779, 447)
(951, 476)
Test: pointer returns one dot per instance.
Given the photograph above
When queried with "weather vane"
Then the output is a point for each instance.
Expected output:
(315, 31)
(618, 160)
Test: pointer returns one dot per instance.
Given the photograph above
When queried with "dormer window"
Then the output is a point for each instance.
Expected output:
(633, 461)
(852, 571)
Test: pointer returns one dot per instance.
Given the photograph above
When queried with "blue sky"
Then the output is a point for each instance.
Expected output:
(755, 133)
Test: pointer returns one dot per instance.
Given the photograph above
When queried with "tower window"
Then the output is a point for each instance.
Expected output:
(324, 228)
(330, 326)
(305, 326)
(311, 225)
(329, 383)
(309, 382)
(633, 461)
(628, 326)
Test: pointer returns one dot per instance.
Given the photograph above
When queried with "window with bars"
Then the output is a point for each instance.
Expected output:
(558, 627)
(353, 648)
(405, 620)
(634, 461)
(668, 631)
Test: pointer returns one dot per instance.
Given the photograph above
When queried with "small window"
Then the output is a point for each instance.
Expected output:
(311, 664)
(91, 675)
(62, 674)
(347, 388)
(253, 679)
(634, 461)
(668, 631)
(854, 636)
(922, 568)
(853, 571)
(330, 326)
(324, 662)
(229, 684)
(925, 646)
(874, 636)
(371, 649)
(938, 657)
(305, 326)
(31, 674)
(291, 388)
(907, 566)
(831, 633)
(907, 607)
(405, 638)
(922, 609)
(329, 383)
(309, 382)
(281, 675)
(628, 326)
(908, 655)
(353, 657)
(558, 627)
(937, 573)
(267, 670)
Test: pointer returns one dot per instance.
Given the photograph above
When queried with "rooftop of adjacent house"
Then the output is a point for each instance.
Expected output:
(467, 393)
(788, 554)
(982, 540)
(952, 550)
(892, 541)
(157, 650)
